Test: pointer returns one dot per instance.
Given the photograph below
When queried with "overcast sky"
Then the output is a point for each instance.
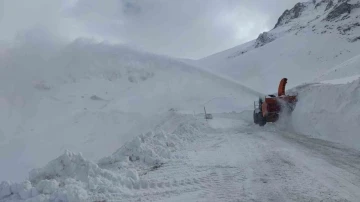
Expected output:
(179, 28)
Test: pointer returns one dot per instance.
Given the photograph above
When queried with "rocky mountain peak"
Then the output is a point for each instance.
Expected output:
(288, 15)
(330, 9)
(320, 17)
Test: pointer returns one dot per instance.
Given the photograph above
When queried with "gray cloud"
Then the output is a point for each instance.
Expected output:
(186, 28)
(17, 15)
(180, 28)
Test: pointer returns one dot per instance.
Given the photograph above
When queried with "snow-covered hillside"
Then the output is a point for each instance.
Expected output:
(307, 42)
(93, 97)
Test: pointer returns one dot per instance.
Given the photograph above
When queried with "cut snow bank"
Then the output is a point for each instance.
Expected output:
(342, 80)
(71, 177)
(329, 112)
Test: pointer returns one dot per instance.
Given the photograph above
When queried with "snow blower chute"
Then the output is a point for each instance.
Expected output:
(269, 108)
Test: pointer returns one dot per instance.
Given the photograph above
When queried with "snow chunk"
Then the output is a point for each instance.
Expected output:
(70, 177)
(5, 189)
(69, 165)
(133, 174)
(71, 193)
(25, 190)
(47, 186)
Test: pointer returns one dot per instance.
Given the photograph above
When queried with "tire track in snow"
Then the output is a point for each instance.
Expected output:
(313, 167)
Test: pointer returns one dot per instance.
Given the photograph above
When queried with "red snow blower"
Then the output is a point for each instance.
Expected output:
(269, 108)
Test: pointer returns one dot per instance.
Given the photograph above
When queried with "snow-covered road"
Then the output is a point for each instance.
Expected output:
(238, 161)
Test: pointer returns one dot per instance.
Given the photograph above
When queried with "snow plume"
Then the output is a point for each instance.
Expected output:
(71, 177)
(285, 115)
(329, 112)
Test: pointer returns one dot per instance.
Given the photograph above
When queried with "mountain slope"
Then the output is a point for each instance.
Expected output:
(92, 98)
(307, 41)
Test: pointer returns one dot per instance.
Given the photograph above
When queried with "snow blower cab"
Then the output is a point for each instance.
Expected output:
(269, 108)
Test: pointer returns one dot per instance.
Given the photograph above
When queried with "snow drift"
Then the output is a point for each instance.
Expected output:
(330, 112)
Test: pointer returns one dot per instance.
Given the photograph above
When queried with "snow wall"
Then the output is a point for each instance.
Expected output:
(330, 112)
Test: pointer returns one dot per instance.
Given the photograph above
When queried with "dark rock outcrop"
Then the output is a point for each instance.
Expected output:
(282, 17)
(355, 39)
(288, 15)
(329, 5)
(343, 8)
(263, 39)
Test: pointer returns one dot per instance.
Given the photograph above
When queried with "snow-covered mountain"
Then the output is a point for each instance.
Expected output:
(137, 118)
(308, 43)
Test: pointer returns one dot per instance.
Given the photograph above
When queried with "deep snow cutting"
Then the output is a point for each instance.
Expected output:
(270, 108)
